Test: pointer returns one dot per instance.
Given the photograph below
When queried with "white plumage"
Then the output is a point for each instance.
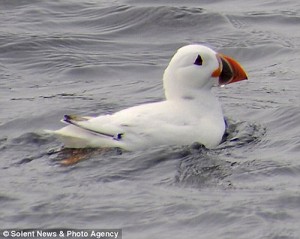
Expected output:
(190, 113)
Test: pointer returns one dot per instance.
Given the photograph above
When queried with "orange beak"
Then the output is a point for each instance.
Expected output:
(229, 70)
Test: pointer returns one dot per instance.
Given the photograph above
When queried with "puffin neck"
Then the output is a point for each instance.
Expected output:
(196, 95)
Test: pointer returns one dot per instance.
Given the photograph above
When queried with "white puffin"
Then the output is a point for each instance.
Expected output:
(190, 113)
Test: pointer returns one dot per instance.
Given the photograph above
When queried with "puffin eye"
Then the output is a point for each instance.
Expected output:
(198, 61)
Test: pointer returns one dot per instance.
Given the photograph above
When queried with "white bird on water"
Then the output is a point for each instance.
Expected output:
(190, 113)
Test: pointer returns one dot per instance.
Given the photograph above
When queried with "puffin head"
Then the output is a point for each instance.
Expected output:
(197, 67)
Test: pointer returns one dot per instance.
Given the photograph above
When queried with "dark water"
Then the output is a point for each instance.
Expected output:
(94, 57)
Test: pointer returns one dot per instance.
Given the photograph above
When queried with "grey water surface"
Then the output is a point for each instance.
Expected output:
(97, 57)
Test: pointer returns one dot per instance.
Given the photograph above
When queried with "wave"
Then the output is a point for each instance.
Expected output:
(193, 165)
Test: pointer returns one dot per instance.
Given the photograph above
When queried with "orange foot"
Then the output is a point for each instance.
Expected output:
(70, 157)
(73, 156)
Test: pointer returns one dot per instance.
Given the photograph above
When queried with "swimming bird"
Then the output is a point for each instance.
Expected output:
(190, 112)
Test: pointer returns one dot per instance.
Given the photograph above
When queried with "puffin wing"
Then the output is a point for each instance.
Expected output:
(142, 127)
(129, 128)
(86, 123)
